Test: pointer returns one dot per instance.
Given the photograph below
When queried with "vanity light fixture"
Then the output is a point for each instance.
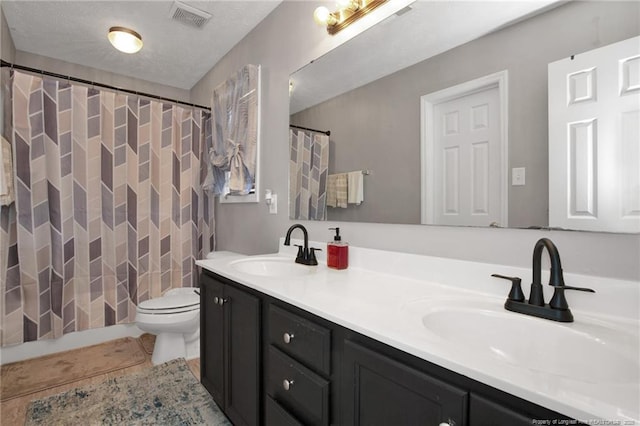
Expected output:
(347, 13)
(125, 39)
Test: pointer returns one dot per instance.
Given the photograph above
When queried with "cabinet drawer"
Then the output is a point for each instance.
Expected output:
(304, 340)
(298, 389)
(278, 416)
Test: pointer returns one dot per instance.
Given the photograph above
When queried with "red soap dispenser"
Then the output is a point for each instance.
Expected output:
(337, 252)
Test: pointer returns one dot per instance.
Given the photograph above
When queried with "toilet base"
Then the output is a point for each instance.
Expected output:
(170, 346)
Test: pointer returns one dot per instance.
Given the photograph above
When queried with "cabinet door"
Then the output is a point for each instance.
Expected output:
(212, 338)
(381, 391)
(242, 321)
(488, 413)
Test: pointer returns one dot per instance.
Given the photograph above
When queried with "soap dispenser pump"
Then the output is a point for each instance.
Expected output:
(337, 252)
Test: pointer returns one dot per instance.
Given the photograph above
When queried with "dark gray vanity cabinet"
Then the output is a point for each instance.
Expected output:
(230, 355)
(266, 362)
(379, 390)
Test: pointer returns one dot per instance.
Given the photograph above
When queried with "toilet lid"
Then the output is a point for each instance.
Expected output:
(173, 303)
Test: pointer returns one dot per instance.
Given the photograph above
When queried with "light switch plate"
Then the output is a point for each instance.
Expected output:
(273, 206)
(517, 176)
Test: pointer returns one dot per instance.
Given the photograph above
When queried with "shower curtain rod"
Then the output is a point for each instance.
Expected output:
(327, 132)
(93, 83)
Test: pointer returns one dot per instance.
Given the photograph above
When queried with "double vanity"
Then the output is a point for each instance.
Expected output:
(404, 339)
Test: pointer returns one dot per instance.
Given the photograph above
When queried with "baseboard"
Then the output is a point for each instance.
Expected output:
(67, 342)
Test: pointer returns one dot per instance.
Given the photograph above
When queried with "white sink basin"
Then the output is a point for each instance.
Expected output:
(586, 351)
(271, 267)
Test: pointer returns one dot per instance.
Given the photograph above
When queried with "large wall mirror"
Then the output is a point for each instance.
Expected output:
(394, 97)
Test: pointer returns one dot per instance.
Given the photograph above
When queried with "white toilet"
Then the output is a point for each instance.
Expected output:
(175, 320)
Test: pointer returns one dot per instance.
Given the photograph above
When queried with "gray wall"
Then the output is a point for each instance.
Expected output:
(7, 49)
(7, 53)
(99, 76)
(285, 41)
(378, 125)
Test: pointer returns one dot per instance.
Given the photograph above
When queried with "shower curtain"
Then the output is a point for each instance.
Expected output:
(308, 169)
(109, 207)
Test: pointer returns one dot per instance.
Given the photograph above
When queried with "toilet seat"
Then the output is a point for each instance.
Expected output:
(171, 304)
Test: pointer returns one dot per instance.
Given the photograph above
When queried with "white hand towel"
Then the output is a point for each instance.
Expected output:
(356, 187)
(6, 173)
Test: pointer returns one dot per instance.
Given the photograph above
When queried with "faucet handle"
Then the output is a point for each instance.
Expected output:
(300, 254)
(558, 301)
(568, 287)
(312, 255)
(516, 293)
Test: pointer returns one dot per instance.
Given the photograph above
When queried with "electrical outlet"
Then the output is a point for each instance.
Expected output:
(517, 176)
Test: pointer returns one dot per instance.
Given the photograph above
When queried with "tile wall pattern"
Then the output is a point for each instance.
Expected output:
(109, 208)
(308, 169)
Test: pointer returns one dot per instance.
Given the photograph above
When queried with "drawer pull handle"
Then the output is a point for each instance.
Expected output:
(286, 384)
(287, 337)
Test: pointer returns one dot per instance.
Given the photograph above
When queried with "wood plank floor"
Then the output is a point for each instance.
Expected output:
(13, 411)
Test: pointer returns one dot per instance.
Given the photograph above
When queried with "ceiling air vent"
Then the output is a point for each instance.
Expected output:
(189, 15)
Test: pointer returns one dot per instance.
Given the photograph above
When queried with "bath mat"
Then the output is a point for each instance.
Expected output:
(167, 394)
(147, 341)
(69, 366)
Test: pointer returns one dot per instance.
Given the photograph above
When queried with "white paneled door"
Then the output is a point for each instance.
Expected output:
(467, 170)
(594, 139)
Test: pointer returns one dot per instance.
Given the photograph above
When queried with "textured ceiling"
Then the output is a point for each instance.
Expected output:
(174, 54)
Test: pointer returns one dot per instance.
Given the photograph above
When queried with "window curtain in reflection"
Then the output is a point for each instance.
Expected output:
(109, 208)
(235, 125)
(308, 170)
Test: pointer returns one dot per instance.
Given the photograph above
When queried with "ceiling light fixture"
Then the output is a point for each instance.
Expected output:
(347, 13)
(125, 40)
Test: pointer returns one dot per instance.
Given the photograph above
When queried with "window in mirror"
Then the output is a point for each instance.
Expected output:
(235, 135)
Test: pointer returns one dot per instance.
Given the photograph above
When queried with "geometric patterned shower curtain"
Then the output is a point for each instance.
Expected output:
(308, 172)
(109, 208)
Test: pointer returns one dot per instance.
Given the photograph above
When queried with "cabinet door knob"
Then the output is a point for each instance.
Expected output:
(449, 423)
(215, 300)
(287, 337)
(286, 384)
(222, 301)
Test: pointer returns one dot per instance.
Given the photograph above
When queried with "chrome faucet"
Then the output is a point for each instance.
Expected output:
(557, 309)
(306, 255)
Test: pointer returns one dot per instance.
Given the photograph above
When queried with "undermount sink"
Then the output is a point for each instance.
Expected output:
(271, 267)
(587, 351)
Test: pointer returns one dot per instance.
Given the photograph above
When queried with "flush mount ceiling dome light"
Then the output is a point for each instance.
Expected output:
(125, 40)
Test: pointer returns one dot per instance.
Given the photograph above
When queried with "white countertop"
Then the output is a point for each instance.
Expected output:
(384, 295)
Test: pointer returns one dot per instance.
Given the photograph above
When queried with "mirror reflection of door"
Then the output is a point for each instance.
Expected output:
(594, 139)
(467, 149)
